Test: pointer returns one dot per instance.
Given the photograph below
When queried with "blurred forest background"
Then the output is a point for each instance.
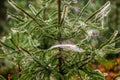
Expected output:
(10, 17)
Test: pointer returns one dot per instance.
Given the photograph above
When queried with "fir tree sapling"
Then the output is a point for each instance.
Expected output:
(38, 43)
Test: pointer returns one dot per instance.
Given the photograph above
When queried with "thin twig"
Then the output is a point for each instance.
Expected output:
(13, 4)
(81, 12)
(31, 56)
(6, 45)
(63, 15)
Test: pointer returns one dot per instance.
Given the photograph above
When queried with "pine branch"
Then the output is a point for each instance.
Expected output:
(34, 19)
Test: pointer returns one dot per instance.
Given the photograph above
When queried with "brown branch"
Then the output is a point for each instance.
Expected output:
(44, 11)
(59, 12)
(59, 39)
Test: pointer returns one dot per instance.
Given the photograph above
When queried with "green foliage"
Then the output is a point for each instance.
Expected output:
(2, 78)
(46, 48)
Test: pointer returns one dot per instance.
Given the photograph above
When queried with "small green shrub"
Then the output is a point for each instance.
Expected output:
(58, 40)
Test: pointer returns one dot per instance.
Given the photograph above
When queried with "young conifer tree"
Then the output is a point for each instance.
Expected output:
(57, 41)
